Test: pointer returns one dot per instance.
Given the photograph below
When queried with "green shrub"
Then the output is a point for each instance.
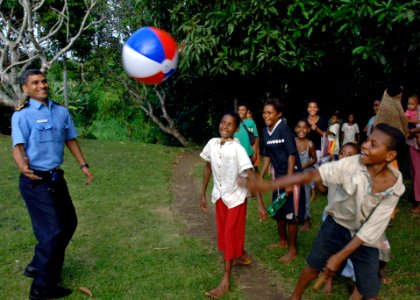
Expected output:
(111, 129)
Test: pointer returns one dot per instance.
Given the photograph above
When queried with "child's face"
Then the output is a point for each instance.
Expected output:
(334, 120)
(242, 111)
(227, 127)
(347, 151)
(375, 149)
(376, 104)
(351, 118)
(412, 103)
(271, 115)
(312, 109)
(301, 130)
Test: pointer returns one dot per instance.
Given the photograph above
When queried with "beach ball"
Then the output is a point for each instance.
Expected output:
(150, 55)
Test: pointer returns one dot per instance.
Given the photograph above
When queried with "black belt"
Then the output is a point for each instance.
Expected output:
(45, 173)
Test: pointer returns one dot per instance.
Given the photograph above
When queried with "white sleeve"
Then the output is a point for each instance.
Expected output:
(206, 153)
(244, 163)
(331, 173)
(377, 222)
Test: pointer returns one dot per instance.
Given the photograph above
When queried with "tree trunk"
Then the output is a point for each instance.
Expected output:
(65, 85)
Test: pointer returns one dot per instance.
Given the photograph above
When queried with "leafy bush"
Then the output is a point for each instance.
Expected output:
(111, 129)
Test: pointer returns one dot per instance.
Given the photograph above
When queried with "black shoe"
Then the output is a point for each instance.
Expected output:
(30, 271)
(50, 293)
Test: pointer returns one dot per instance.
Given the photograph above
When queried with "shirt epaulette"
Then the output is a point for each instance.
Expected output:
(22, 106)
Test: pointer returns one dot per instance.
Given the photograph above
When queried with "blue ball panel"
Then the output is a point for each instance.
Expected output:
(147, 43)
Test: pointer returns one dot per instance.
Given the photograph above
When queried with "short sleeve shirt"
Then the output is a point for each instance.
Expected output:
(43, 131)
(242, 136)
(252, 127)
(370, 125)
(228, 162)
(351, 202)
(349, 133)
(279, 144)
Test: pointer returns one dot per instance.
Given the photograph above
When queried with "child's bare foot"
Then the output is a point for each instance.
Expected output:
(244, 260)
(328, 287)
(416, 210)
(288, 257)
(280, 244)
(385, 279)
(356, 294)
(218, 292)
(307, 225)
(313, 195)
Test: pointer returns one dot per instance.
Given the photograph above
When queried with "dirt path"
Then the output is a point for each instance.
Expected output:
(255, 280)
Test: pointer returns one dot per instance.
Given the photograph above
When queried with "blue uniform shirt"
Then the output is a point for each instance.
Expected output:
(43, 130)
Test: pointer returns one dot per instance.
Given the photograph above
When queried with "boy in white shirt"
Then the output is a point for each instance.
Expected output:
(228, 161)
(367, 191)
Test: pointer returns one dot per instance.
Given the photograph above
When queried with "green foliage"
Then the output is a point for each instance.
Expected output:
(249, 36)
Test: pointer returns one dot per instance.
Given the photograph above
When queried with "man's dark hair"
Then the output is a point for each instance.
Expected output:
(396, 137)
(23, 79)
(278, 105)
(235, 116)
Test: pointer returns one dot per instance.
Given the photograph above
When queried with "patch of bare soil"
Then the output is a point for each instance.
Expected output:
(255, 280)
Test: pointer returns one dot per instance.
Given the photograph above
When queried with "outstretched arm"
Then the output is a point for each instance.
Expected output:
(75, 150)
(206, 178)
(283, 181)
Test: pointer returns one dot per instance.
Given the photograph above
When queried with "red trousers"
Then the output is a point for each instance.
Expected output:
(230, 229)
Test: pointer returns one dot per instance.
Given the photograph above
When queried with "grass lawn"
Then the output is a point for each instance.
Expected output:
(127, 244)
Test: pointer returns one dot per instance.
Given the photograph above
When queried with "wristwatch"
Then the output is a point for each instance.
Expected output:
(86, 165)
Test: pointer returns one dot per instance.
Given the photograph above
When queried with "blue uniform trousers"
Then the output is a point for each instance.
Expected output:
(53, 220)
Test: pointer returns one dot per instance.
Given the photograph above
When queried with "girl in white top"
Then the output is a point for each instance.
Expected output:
(350, 131)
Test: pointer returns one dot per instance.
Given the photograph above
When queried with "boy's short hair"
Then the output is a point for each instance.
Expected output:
(396, 137)
(335, 114)
(23, 79)
(312, 100)
(243, 104)
(278, 105)
(304, 121)
(235, 115)
(354, 145)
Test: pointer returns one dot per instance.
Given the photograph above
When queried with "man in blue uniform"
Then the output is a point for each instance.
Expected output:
(40, 129)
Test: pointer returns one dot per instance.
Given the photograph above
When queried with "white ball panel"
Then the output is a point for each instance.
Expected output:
(137, 65)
